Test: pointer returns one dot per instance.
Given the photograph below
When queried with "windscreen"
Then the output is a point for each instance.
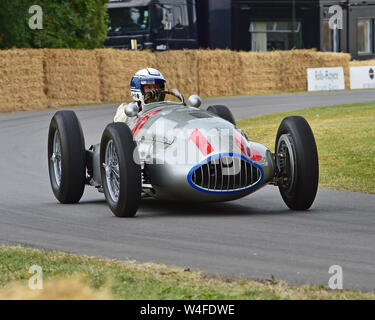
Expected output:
(123, 20)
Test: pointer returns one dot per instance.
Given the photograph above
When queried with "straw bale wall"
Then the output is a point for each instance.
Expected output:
(21, 80)
(116, 70)
(72, 77)
(360, 63)
(35, 79)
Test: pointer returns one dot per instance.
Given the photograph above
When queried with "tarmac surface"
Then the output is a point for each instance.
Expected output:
(254, 237)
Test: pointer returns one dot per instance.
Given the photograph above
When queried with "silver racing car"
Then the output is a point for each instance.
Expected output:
(174, 150)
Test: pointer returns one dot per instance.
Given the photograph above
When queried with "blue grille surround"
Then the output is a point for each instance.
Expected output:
(208, 176)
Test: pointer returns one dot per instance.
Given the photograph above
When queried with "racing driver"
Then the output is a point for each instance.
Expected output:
(145, 87)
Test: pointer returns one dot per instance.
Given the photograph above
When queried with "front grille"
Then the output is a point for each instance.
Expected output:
(227, 173)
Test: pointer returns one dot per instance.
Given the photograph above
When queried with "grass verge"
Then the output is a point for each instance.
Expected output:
(68, 276)
(345, 137)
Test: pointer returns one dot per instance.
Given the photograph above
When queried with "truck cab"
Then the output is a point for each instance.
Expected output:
(152, 24)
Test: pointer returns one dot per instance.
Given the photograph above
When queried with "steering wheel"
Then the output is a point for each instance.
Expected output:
(157, 93)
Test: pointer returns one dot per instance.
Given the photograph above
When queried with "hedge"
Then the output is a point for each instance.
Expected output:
(77, 24)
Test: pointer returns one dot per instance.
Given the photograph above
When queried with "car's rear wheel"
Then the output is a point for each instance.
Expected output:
(120, 170)
(297, 163)
(223, 112)
(66, 157)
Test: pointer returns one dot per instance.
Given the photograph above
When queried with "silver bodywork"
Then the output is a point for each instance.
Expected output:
(190, 154)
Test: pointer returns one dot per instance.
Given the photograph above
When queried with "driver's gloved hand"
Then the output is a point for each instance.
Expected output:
(153, 95)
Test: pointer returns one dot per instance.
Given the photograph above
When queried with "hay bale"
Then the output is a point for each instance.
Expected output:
(179, 69)
(33, 79)
(293, 65)
(116, 70)
(224, 72)
(362, 63)
(292, 68)
(331, 59)
(21, 80)
(258, 72)
(218, 72)
(72, 77)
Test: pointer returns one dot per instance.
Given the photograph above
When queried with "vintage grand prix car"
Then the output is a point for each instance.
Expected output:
(174, 150)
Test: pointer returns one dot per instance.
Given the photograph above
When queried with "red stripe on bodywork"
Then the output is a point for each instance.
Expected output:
(142, 121)
(241, 143)
(255, 155)
(201, 142)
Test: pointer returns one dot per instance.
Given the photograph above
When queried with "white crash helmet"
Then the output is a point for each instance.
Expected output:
(142, 77)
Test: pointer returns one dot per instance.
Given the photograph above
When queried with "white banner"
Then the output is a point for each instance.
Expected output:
(325, 79)
(362, 77)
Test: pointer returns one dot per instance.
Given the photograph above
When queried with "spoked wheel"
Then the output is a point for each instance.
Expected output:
(56, 157)
(112, 171)
(120, 170)
(297, 163)
(66, 157)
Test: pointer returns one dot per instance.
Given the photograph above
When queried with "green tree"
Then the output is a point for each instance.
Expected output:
(78, 24)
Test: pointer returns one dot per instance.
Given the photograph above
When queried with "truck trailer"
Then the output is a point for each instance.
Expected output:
(169, 24)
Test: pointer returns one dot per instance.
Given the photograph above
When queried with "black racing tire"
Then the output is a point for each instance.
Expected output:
(298, 169)
(67, 167)
(128, 184)
(223, 112)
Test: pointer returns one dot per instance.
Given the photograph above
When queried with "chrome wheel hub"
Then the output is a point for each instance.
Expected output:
(112, 171)
(285, 161)
(56, 157)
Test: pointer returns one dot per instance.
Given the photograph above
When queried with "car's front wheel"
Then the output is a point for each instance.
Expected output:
(222, 112)
(297, 163)
(66, 157)
(120, 170)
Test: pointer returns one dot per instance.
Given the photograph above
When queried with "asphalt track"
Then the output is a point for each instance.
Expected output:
(254, 237)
